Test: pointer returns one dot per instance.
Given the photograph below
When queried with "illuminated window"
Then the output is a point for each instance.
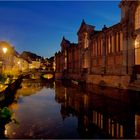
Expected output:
(86, 41)
(85, 101)
(137, 18)
(137, 50)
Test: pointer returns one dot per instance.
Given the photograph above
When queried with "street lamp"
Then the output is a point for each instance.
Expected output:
(4, 50)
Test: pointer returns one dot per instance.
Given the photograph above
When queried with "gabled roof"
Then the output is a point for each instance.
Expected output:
(85, 28)
(64, 41)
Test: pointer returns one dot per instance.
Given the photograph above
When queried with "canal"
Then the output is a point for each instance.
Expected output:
(52, 110)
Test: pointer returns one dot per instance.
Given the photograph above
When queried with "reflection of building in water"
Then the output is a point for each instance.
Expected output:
(30, 87)
(116, 127)
(137, 126)
(98, 116)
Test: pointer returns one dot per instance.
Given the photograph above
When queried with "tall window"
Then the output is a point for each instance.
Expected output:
(137, 18)
(101, 42)
(99, 47)
(109, 45)
(117, 42)
(86, 40)
(112, 43)
(95, 48)
(137, 50)
(121, 41)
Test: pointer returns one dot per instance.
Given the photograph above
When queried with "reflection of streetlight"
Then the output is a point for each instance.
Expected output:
(4, 49)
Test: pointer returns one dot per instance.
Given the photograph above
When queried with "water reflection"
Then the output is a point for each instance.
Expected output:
(51, 110)
(101, 114)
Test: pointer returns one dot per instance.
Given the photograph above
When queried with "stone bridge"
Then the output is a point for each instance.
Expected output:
(37, 74)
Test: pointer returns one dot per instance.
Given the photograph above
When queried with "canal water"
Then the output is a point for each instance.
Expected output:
(52, 110)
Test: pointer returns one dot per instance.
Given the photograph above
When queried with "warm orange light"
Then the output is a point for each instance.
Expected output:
(48, 76)
(4, 49)
(136, 44)
(18, 62)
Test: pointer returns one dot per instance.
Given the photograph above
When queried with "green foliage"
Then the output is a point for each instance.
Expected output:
(6, 78)
(5, 113)
(2, 78)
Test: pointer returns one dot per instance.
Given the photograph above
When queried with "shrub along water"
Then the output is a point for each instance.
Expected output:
(5, 118)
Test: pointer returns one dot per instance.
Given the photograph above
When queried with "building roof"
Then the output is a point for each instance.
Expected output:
(85, 27)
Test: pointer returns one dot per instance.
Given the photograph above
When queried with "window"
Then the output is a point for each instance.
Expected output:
(101, 43)
(86, 41)
(98, 45)
(117, 42)
(95, 48)
(137, 50)
(137, 18)
(112, 44)
(121, 41)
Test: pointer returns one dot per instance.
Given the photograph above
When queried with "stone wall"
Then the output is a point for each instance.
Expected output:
(109, 80)
(74, 76)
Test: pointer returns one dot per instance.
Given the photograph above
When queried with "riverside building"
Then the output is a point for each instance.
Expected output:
(110, 56)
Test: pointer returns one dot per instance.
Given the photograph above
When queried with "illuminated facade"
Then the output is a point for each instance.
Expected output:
(10, 62)
(111, 55)
(20, 65)
(6, 57)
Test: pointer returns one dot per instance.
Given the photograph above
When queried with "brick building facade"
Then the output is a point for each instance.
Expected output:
(111, 55)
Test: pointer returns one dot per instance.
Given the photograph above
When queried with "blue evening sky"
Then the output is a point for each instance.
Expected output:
(38, 26)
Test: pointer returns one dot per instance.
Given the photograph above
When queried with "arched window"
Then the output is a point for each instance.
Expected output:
(137, 18)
